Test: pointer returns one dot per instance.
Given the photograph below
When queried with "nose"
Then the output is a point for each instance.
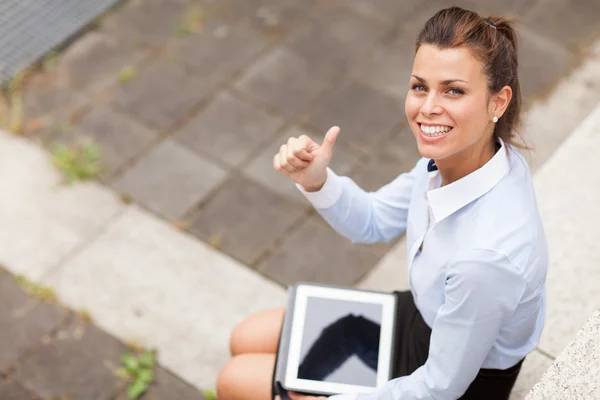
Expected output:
(431, 105)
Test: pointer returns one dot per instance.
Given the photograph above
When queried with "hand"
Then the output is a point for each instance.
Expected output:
(296, 396)
(304, 161)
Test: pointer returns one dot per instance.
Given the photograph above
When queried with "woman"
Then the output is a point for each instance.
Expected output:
(477, 252)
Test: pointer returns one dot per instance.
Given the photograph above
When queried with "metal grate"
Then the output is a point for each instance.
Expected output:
(31, 28)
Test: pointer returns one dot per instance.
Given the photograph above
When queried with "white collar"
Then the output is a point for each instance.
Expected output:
(450, 198)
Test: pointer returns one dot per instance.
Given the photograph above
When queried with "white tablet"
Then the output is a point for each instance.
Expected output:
(337, 340)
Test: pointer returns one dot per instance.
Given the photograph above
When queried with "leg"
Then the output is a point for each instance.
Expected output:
(259, 333)
(246, 377)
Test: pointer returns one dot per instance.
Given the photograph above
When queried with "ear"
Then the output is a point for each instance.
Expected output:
(500, 101)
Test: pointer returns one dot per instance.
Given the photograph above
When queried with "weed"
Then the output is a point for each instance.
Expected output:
(192, 21)
(138, 371)
(38, 291)
(78, 162)
(11, 105)
(209, 395)
(127, 74)
(49, 60)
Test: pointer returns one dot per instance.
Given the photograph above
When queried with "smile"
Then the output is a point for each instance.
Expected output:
(434, 130)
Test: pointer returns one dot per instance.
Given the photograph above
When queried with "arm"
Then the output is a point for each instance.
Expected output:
(482, 290)
(365, 217)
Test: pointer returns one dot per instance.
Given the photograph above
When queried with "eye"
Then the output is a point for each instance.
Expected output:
(417, 87)
(456, 91)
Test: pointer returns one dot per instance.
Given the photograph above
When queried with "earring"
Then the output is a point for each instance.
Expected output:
(495, 119)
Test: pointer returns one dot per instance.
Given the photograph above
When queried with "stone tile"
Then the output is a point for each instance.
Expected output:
(150, 22)
(316, 253)
(415, 22)
(570, 22)
(508, 7)
(272, 17)
(141, 274)
(161, 95)
(398, 155)
(119, 138)
(534, 366)
(50, 100)
(42, 221)
(167, 386)
(218, 52)
(364, 115)
(571, 232)
(332, 36)
(231, 139)
(24, 321)
(387, 67)
(86, 356)
(283, 81)
(389, 11)
(170, 179)
(94, 61)
(261, 168)
(390, 273)
(245, 219)
(541, 64)
(10, 390)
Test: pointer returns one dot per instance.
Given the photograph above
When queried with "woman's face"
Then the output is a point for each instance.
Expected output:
(447, 105)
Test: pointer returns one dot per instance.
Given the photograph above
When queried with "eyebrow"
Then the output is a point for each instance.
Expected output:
(446, 82)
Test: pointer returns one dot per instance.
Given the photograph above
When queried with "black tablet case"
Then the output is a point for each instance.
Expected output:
(284, 339)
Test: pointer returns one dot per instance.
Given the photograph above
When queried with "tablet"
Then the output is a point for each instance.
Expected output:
(339, 341)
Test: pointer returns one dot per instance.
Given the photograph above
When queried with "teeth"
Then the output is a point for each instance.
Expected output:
(435, 130)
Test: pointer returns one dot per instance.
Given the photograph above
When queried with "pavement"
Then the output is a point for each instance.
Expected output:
(188, 229)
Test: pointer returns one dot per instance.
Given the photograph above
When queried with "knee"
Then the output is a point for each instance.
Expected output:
(236, 341)
(226, 381)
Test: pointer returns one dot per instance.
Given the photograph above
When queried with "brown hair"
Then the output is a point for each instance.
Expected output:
(493, 41)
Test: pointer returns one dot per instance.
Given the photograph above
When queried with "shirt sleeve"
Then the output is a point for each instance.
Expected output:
(365, 217)
(482, 291)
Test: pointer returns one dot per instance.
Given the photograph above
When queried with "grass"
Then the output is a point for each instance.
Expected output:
(138, 371)
(38, 291)
(209, 395)
(78, 162)
(127, 73)
(192, 21)
(11, 105)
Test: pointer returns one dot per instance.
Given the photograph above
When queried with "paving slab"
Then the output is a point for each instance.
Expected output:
(283, 81)
(170, 179)
(119, 137)
(534, 367)
(574, 23)
(45, 98)
(315, 252)
(41, 210)
(218, 52)
(569, 213)
(390, 273)
(10, 390)
(230, 140)
(364, 115)
(542, 62)
(148, 22)
(87, 357)
(389, 11)
(167, 386)
(244, 220)
(574, 374)
(142, 274)
(161, 95)
(332, 36)
(95, 60)
(24, 322)
(261, 170)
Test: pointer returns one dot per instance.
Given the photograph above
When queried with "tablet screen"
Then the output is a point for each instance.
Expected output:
(340, 341)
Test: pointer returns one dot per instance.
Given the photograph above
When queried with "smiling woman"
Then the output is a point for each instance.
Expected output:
(477, 253)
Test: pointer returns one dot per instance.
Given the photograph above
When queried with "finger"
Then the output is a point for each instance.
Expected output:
(276, 163)
(308, 143)
(299, 148)
(283, 160)
(330, 138)
(293, 160)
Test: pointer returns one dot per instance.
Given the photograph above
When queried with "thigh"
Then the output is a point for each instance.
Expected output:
(246, 377)
(259, 333)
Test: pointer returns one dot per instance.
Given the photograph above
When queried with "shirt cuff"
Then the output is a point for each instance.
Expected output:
(329, 194)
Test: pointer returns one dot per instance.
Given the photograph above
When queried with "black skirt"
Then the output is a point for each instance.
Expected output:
(412, 341)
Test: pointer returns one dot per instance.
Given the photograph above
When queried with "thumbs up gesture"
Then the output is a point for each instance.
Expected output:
(305, 161)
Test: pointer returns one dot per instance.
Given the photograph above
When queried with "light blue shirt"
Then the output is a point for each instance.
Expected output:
(477, 261)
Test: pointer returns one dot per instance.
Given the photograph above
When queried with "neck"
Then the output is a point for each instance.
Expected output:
(468, 160)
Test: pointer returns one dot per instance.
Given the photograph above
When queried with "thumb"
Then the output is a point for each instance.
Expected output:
(330, 138)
